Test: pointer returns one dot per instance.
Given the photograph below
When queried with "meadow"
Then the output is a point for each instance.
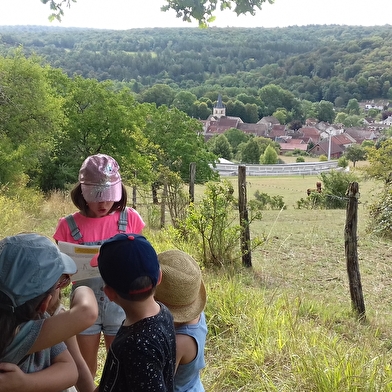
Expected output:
(286, 324)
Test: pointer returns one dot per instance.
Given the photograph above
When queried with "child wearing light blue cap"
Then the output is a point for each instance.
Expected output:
(31, 268)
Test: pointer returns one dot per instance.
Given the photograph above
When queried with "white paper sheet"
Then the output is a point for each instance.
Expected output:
(82, 255)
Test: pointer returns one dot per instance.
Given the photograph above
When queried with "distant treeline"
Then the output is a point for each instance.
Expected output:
(315, 63)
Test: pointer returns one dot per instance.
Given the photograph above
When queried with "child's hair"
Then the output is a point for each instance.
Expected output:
(140, 289)
(82, 205)
(54, 306)
(11, 317)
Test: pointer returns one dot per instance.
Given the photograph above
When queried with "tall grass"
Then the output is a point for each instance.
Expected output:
(286, 324)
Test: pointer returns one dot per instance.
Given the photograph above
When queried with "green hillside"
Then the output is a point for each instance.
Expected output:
(333, 63)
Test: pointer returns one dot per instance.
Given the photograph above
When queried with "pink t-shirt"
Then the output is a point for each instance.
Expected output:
(98, 229)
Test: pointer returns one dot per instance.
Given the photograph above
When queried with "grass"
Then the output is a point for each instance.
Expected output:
(286, 324)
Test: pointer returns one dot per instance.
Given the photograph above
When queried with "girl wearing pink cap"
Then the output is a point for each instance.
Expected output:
(101, 199)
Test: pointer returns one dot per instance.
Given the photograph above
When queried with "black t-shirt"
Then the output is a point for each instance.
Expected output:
(142, 356)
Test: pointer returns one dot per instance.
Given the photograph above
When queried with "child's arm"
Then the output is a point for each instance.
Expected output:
(58, 328)
(85, 381)
(60, 375)
(186, 349)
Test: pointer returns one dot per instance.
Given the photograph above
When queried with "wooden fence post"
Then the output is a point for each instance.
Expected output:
(134, 190)
(163, 204)
(244, 220)
(350, 244)
(192, 170)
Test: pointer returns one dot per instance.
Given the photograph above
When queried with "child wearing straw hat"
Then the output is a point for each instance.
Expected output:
(182, 290)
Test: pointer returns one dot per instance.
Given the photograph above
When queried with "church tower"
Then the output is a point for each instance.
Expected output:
(219, 109)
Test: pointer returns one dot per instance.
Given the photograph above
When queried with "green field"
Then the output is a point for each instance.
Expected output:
(285, 324)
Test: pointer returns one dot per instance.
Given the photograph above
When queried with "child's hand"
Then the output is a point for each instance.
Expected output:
(12, 378)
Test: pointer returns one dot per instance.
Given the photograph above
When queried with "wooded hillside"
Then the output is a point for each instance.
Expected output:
(333, 63)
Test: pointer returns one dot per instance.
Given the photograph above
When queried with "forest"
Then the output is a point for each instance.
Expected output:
(330, 62)
(139, 94)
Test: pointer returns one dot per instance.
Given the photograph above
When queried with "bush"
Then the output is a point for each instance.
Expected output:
(333, 194)
(323, 158)
(270, 156)
(300, 159)
(335, 185)
(264, 202)
(343, 162)
(211, 226)
(380, 213)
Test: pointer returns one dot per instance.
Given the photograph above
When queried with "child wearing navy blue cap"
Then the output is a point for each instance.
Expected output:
(143, 354)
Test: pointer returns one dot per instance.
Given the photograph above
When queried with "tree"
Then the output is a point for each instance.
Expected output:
(184, 101)
(251, 152)
(200, 110)
(264, 142)
(251, 113)
(30, 118)
(295, 125)
(100, 120)
(325, 111)
(355, 153)
(353, 107)
(275, 97)
(308, 109)
(177, 141)
(380, 161)
(281, 115)
(235, 137)
(160, 94)
(270, 156)
(220, 146)
(201, 10)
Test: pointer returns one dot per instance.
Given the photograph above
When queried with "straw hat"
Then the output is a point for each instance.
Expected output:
(182, 288)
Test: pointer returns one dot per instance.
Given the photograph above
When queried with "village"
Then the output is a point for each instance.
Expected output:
(315, 138)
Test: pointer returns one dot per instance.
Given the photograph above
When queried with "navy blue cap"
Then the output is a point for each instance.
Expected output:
(126, 257)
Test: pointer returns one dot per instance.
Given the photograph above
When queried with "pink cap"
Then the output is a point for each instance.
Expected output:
(100, 179)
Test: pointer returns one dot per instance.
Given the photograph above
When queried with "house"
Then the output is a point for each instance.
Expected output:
(288, 144)
(378, 105)
(216, 126)
(307, 134)
(333, 129)
(360, 134)
(387, 121)
(259, 130)
(277, 131)
(311, 122)
(270, 121)
(334, 148)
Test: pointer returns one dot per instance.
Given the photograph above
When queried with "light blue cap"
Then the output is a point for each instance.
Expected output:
(30, 265)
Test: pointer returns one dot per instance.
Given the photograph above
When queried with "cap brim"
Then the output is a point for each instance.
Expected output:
(93, 193)
(94, 261)
(70, 267)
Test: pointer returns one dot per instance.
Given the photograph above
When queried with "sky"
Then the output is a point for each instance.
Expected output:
(128, 14)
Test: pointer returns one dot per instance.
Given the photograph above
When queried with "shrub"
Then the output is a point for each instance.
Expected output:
(270, 156)
(323, 158)
(333, 195)
(343, 162)
(380, 213)
(264, 202)
(211, 226)
(300, 159)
